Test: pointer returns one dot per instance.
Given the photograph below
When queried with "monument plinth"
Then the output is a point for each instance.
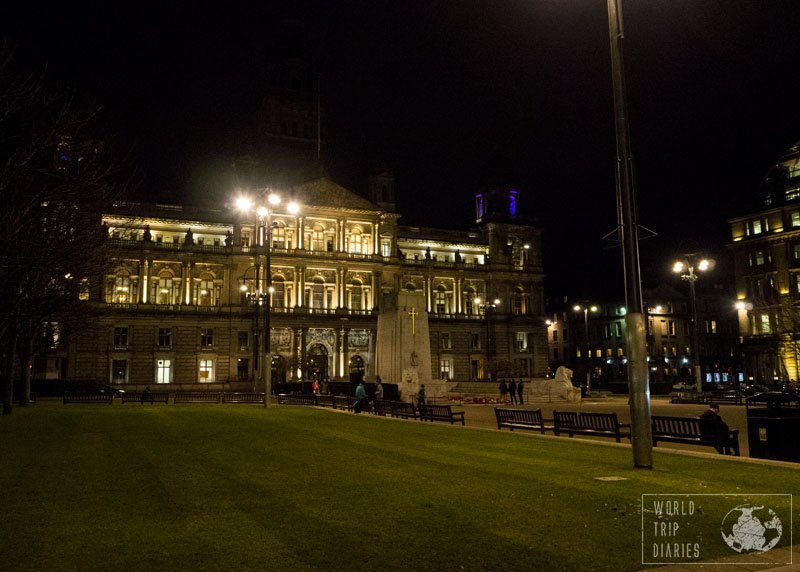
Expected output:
(404, 345)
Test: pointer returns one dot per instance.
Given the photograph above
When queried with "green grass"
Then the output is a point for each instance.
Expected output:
(240, 487)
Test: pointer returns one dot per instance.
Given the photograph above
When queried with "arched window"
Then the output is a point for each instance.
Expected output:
(121, 288)
(519, 301)
(318, 237)
(355, 241)
(356, 364)
(440, 300)
(410, 287)
(165, 288)
(470, 307)
(206, 292)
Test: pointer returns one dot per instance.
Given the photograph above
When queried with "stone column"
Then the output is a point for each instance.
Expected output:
(345, 352)
(301, 285)
(376, 242)
(187, 273)
(303, 349)
(144, 274)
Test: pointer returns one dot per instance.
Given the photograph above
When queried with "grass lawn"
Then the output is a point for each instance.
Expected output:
(240, 487)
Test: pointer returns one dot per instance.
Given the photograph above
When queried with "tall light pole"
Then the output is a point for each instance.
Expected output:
(263, 227)
(686, 268)
(586, 309)
(486, 308)
(627, 220)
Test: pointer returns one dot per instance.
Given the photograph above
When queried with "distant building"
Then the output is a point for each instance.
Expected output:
(177, 307)
(589, 337)
(766, 248)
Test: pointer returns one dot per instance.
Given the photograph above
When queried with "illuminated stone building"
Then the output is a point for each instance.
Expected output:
(766, 247)
(177, 308)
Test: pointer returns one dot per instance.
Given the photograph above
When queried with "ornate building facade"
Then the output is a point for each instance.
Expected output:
(766, 248)
(179, 305)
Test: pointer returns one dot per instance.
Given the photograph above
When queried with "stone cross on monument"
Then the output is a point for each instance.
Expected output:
(413, 314)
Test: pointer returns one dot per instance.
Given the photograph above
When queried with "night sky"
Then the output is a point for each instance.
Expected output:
(455, 95)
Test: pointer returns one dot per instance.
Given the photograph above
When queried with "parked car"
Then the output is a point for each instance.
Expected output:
(684, 386)
(753, 388)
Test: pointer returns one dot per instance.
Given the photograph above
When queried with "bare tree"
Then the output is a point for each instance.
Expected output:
(55, 181)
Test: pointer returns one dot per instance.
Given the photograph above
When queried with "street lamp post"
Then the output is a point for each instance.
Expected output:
(586, 309)
(638, 389)
(686, 268)
(486, 308)
(263, 226)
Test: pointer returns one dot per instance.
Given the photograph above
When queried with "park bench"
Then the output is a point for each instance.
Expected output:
(243, 397)
(196, 397)
(83, 397)
(403, 410)
(145, 396)
(345, 403)
(690, 431)
(521, 419)
(324, 400)
(596, 424)
(382, 407)
(440, 413)
(296, 399)
(690, 397)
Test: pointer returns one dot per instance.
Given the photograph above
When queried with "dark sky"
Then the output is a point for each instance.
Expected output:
(458, 94)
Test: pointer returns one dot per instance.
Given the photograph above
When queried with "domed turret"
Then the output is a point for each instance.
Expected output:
(782, 181)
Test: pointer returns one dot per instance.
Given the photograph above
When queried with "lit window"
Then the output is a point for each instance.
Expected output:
(206, 370)
(445, 368)
(163, 371)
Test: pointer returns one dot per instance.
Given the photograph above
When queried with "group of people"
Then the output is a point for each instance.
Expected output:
(514, 390)
(362, 401)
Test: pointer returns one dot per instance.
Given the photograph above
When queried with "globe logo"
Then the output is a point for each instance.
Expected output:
(751, 528)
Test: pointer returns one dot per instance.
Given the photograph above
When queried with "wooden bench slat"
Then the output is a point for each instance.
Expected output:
(440, 413)
(690, 431)
(585, 423)
(521, 419)
(80, 397)
(197, 397)
(243, 397)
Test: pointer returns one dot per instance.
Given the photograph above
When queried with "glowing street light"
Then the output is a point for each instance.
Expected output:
(263, 289)
(586, 309)
(686, 268)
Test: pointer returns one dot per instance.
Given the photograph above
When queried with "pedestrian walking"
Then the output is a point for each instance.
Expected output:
(362, 403)
(503, 390)
(519, 392)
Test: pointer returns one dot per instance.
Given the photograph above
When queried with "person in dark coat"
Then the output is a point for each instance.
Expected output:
(512, 391)
(711, 422)
(503, 390)
(519, 392)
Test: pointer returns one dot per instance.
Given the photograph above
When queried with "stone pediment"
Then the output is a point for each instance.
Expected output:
(323, 192)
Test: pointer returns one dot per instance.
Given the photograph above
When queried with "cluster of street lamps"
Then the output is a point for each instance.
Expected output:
(586, 308)
(262, 357)
(686, 268)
